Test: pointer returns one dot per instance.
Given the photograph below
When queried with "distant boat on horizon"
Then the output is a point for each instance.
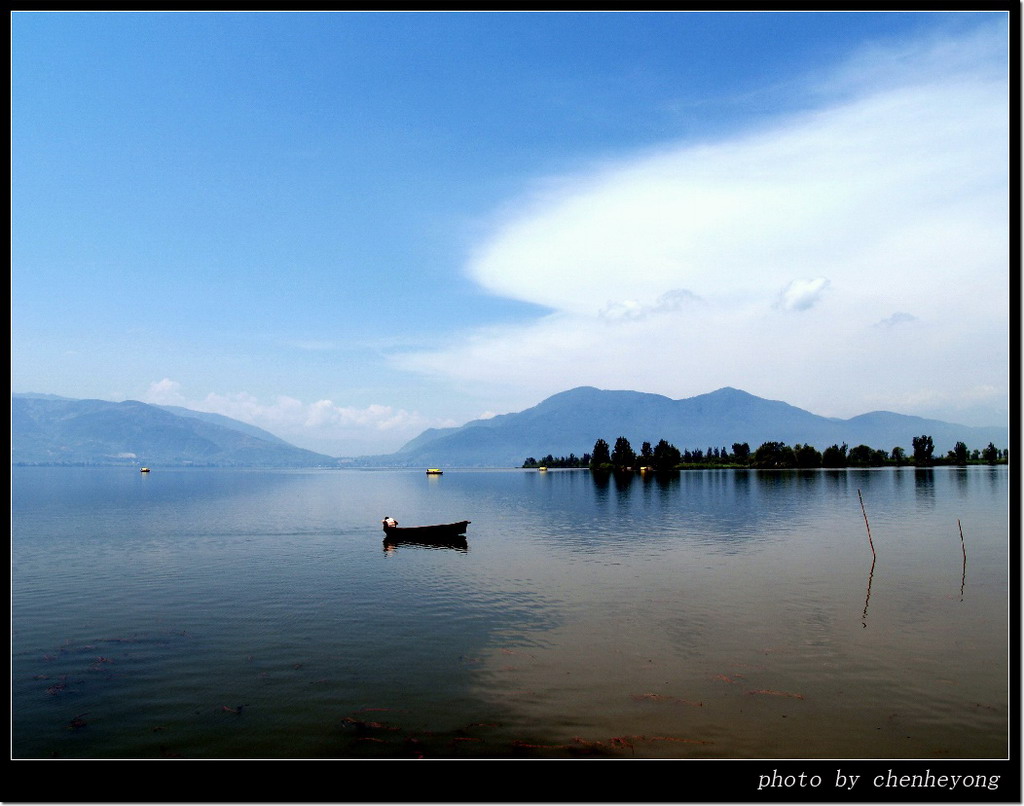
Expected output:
(434, 471)
(143, 469)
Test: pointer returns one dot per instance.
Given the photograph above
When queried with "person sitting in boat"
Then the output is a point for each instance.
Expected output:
(389, 521)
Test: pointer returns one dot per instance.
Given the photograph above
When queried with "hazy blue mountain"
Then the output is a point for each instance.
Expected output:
(50, 430)
(47, 429)
(572, 421)
(227, 422)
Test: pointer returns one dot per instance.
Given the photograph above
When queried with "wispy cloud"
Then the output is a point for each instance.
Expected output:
(898, 318)
(893, 195)
(669, 302)
(164, 393)
(313, 345)
(370, 429)
(800, 295)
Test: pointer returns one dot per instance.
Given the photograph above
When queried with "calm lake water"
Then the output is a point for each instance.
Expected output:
(709, 614)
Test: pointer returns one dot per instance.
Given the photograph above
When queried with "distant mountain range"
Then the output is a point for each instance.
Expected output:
(46, 429)
(572, 421)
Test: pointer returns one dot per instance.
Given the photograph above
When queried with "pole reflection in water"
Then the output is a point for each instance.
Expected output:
(963, 547)
(874, 557)
(867, 598)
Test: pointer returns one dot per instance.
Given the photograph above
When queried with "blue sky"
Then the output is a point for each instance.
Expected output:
(349, 227)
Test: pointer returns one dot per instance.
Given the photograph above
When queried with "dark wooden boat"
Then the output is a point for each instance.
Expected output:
(437, 531)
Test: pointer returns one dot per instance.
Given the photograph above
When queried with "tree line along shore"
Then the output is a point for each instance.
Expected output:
(769, 456)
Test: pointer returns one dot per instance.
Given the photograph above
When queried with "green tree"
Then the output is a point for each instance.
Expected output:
(959, 454)
(807, 456)
(623, 454)
(741, 452)
(834, 456)
(666, 456)
(860, 456)
(990, 454)
(774, 455)
(899, 456)
(923, 450)
(646, 454)
(600, 455)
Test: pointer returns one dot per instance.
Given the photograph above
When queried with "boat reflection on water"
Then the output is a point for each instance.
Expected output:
(456, 543)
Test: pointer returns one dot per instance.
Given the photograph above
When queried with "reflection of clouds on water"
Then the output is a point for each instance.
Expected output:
(584, 607)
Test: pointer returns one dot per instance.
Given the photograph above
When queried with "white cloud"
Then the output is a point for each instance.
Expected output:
(800, 295)
(320, 426)
(668, 302)
(164, 393)
(898, 318)
(891, 199)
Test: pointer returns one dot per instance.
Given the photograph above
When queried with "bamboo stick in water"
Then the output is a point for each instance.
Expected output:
(868, 525)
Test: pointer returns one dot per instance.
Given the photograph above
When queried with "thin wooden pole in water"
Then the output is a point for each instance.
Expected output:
(868, 525)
